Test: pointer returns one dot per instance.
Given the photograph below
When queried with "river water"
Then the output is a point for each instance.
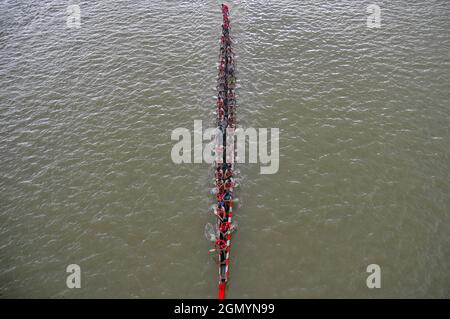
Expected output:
(86, 177)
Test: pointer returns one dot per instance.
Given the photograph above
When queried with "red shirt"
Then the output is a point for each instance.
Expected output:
(228, 184)
(219, 174)
(220, 187)
(224, 227)
(224, 8)
(228, 173)
(221, 212)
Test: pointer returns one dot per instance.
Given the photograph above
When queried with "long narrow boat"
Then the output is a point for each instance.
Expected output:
(224, 167)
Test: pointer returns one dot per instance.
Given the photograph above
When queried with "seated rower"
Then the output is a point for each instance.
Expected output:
(225, 29)
(219, 102)
(220, 196)
(230, 69)
(220, 245)
(231, 120)
(220, 114)
(224, 227)
(219, 173)
(228, 173)
(229, 184)
(220, 212)
(220, 87)
(227, 197)
(219, 164)
(231, 81)
(220, 186)
(224, 9)
(222, 123)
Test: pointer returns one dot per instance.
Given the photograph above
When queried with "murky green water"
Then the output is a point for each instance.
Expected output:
(86, 176)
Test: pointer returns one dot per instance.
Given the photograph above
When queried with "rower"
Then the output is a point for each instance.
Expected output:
(224, 227)
(230, 68)
(219, 173)
(231, 121)
(220, 186)
(228, 185)
(231, 94)
(224, 9)
(220, 113)
(221, 244)
(222, 74)
(227, 197)
(220, 196)
(222, 66)
(228, 173)
(219, 164)
(220, 212)
(219, 102)
(231, 81)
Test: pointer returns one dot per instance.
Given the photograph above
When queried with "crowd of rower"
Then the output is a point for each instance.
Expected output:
(226, 97)
(226, 118)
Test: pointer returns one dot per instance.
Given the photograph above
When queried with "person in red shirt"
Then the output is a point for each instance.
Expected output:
(220, 212)
(228, 184)
(224, 9)
(220, 114)
(228, 173)
(231, 120)
(224, 227)
(220, 186)
(219, 102)
(219, 174)
(220, 196)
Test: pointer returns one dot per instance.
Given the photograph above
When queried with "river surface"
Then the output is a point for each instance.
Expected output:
(86, 176)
